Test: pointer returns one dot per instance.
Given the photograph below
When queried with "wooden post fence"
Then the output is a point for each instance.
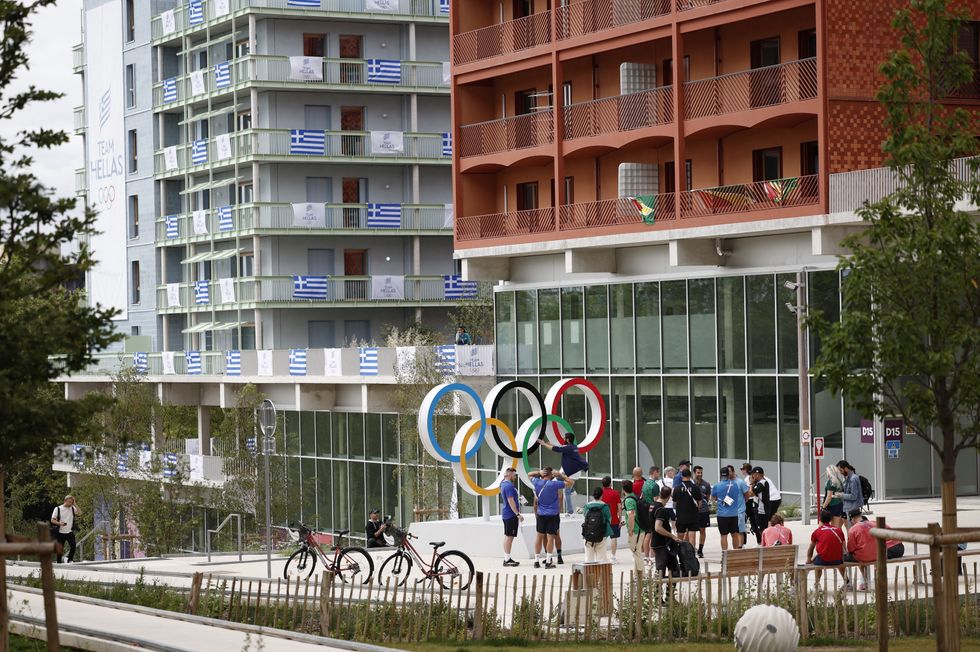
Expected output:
(881, 590)
(44, 549)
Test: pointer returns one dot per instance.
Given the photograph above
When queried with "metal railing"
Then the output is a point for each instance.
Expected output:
(581, 18)
(793, 81)
(504, 134)
(208, 533)
(619, 113)
(502, 38)
(686, 5)
(79, 116)
(241, 143)
(849, 190)
(750, 197)
(354, 144)
(78, 57)
(502, 225)
(81, 180)
(614, 212)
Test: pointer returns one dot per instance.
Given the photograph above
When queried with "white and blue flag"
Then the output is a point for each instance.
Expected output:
(444, 7)
(369, 360)
(384, 216)
(445, 362)
(297, 362)
(312, 142)
(170, 89)
(384, 71)
(447, 144)
(315, 4)
(454, 287)
(250, 445)
(313, 288)
(202, 293)
(173, 226)
(233, 363)
(122, 462)
(222, 74)
(225, 222)
(169, 465)
(199, 152)
(193, 359)
(141, 362)
(195, 12)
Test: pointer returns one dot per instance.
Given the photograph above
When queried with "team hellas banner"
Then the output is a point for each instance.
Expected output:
(200, 219)
(306, 68)
(170, 158)
(383, 6)
(173, 295)
(387, 287)
(331, 362)
(264, 362)
(405, 360)
(168, 363)
(475, 360)
(227, 286)
(221, 8)
(223, 145)
(168, 22)
(387, 142)
(310, 215)
(198, 86)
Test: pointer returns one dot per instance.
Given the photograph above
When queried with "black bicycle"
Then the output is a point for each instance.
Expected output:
(452, 568)
(353, 565)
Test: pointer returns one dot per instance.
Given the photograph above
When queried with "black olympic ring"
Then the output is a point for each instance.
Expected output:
(519, 385)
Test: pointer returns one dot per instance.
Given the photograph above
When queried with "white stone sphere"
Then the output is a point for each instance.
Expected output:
(766, 628)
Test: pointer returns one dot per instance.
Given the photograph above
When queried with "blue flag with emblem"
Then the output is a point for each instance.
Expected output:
(141, 362)
(193, 362)
(199, 152)
(173, 226)
(195, 12)
(225, 221)
(447, 144)
(202, 292)
(233, 363)
(368, 356)
(454, 287)
(313, 288)
(122, 461)
(297, 362)
(222, 74)
(384, 71)
(384, 216)
(170, 89)
(310, 142)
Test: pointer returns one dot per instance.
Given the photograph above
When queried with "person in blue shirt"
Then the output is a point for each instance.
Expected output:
(510, 512)
(462, 337)
(572, 464)
(730, 494)
(683, 464)
(547, 498)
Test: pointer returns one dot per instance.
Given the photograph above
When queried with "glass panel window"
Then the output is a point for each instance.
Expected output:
(307, 433)
(731, 323)
(506, 333)
(786, 331)
(292, 433)
(675, 325)
(323, 496)
(323, 434)
(340, 434)
(389, 434)
(623, 413)
(575, 410)
(823, 294)
(731, 413)
(621, 328)
(357, 496)
(761, 323)
(308, 506)
(372, 433)
(355, 433)
(705, 417)
(597, 328)
(549, 323)
(826, 414)
(572, 330)
(650, 431)
(789, 420)
(677, 437)
(648, 327)
(527, 341)
(763, 419)
(701, 306)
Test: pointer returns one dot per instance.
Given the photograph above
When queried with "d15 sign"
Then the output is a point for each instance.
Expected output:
(818, 448)
(867, 431)
(894, 429)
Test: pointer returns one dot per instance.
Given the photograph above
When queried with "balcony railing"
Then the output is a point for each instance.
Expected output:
(615, 212)
(503, 134)
(241, 143)
(621, 113)
(750, 197)
(79, 115)
(751, 89)
(686, 5)
(581, 18)
(356, 144)
(78, 57)
(81, 180)
(502, 225)
(423, 8)
(850, 190)
(141, 464)
(502, 38)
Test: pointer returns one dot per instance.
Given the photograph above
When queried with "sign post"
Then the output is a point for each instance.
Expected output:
(817, 456)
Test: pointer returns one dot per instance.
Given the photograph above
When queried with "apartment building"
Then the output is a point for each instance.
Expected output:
(648, 178)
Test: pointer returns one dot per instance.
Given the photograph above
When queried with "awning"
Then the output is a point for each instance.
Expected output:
(227, 326)
(200, 328)
(212, 255)
(215, 183)
(215, 113)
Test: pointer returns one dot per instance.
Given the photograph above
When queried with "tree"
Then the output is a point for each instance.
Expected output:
(908, 340)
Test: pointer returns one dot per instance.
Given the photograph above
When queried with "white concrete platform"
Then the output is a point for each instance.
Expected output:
(478, 537)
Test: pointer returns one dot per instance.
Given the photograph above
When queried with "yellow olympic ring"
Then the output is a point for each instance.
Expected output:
(462, 458)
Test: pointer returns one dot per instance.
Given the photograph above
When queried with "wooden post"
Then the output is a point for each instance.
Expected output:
(881, 590)
(937, 589)
(47, 584)
(4, 624)
(326, 590)
(478, 611)
(194, 601)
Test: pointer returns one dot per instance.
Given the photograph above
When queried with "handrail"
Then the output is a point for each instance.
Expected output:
(79, 542)
(208, 533)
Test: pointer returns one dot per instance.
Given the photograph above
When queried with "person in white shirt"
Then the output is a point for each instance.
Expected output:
(668, 481)
(64, 517)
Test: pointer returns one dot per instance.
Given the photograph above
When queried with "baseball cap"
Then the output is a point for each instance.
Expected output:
(374, 511)
(758, 469)
(853, 513)
(684, 463)
(724, 472)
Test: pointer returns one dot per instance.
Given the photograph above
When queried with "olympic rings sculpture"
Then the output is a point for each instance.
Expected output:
(503, 441)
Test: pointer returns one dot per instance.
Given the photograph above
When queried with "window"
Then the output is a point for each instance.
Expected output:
(637, 179)
(765, 86)
(130, 86)
(969, 42)
(133, 152)
(242, 48)
(669, 70)
(134, 331)
(245, 193)
(130, 21)
(809, 158)
(527, 196)
(807, 44)
(133, 207)
(134, 281)
(767, 164)
(669, 185)
(569, 190)
(244, 121)
(314, 45)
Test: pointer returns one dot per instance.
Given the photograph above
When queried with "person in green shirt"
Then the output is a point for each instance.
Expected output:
(596, 550)
(650, 492)
(831, 503)
(634, 534)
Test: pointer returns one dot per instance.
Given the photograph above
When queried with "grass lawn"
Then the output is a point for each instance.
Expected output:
(25, 644)
(896, 645)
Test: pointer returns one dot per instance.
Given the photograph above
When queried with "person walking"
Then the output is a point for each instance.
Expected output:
(827, 542)
(547, 496)
(664, 561)
(768, 500)
(635, 536)
(64, 516)
(510, 513)
(686, 498)
(572, 465)
(730, 494)
(777, 534)
(614, 500)
(831, 499)
(704, 509)
(596, 527)
(852, 495)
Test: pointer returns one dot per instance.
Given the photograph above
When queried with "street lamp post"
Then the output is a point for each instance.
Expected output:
(804, 390)
(265, 415)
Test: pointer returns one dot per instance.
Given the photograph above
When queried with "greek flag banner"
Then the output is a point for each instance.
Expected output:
(199, 152)
(223, 145)
(198, 87)
(173, 226)
(383, 6)
(444, 7)
(167, 358)
(170, 89)
(169, 465)
(447, 144)
(306, 68)
(170, 158)
(297, 362)
(222, 75)
(173, 295)
(225, 221)
(168, 22)
(387, 142)
(202, 292)
(445, 362)
(227, 286)
(369, 360)
(313, 288)
(384, 71)
(304, 3)
(310, 215)
(312, 142)
(193, 362)
(195, 11)
(454, 287)
(384, 216)
(141, 362)
(387, 287)
(122, 462)
(200, 219)
(263, 361)
(233, 363)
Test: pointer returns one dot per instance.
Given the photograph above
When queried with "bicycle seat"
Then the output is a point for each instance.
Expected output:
(437, 544)
(341, 533)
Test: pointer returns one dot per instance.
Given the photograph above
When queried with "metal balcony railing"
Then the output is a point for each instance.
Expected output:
(581, 18)
(751, 89)
(502, 225)
(79, 116)
(78, 57)
(136, 464)
(276, 142)
(850, 190)
(750, 197)
(686, 5)
(355, 72)
(81, 180)
(614, 212)
(504, 134)
(620, 113)
(241, 144)
(502, 38)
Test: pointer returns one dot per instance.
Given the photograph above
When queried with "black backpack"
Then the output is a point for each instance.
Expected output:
(594, 526)
(687, 559)
(866, 489)
(644, 514)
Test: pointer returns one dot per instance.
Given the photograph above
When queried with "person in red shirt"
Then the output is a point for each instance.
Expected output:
(828, 543)
(777, 534)
(612, 498)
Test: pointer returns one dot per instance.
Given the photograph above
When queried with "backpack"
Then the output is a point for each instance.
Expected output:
(687, 559)
(866, 489)
(55, 529)
(644, 515)
(594, 526)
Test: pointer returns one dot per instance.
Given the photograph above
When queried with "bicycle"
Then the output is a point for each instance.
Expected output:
(353, 565)
(452, 568)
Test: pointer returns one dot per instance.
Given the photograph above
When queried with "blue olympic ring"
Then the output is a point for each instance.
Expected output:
(448, 389)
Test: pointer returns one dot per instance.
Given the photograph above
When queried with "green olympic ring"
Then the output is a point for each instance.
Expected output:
(534, 424)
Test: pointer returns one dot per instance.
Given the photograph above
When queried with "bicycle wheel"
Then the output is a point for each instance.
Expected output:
(395, 568)
(300, 564)
(454, 569)
(354, 566)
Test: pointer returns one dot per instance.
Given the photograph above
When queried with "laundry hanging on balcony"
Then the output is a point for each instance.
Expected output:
(779, 190)
(725, 199)
(646, 206)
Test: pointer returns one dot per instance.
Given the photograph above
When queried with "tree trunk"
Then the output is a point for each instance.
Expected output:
(951, 560)
(4, 615)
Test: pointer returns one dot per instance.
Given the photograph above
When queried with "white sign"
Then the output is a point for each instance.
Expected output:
(306, 68)
(805, 437)
(818, 448)
(197, 467)
(310, 215)
(146, 459)
(173, 295)
(331, 362)
(200, 222)
(476, 360)
(223, 143)
(221, 8)
(450, 216)
(446, 73)
(405, 360)
(105, 137)
(197, 82)
(387, 287)
(385, 6)
(168, 363)
(264, 359)
(168, 22)
(227, 286)
(170, 157)
(387, 142)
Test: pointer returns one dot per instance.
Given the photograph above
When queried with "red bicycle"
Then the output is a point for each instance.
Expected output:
(452, 568)
(353, 565)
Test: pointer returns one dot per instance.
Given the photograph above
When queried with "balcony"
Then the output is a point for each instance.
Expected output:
(614, 213)
(278, 219)
(140, 464)
(584, 18)
(619, 114)
(506, 134)
(751, 197)
(503, 38)
(687, 5)
(81, 181)
(504, 225)
(78, 58)
(794, 81)
(79, 116)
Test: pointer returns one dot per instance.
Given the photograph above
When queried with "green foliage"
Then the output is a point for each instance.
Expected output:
(476, 316)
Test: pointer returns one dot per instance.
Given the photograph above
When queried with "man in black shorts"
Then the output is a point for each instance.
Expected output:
(687, 500)
(704, 510)
(666, 562)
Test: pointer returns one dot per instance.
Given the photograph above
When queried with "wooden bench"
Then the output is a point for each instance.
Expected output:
(758, 562)
(918, 569)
